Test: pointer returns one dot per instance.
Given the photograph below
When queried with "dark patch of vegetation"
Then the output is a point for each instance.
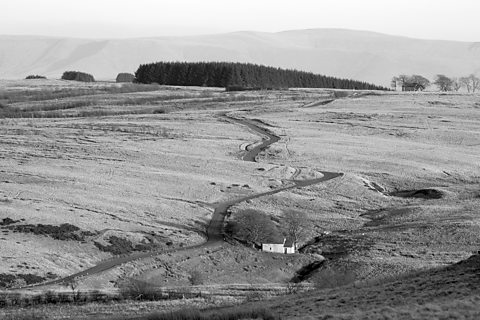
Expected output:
(235, 313)
(120, 246)
(237, 75)
(8, 280)
(306, 271)
(159, 111)
(64, 231)
(8, 221)
(422, 194)
(35, 76)
(78, 76)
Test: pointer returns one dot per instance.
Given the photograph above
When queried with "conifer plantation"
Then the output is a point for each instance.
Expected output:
(246, 75)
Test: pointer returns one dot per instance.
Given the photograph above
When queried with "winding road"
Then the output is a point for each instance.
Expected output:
(215, 227)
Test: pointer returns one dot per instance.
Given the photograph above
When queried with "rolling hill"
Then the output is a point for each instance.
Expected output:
(359, 55)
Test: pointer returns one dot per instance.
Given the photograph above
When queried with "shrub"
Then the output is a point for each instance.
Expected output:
(35, 76)
(125, 77)
(78, 76)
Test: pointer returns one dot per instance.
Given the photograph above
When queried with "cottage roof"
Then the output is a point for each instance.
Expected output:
(289, 243)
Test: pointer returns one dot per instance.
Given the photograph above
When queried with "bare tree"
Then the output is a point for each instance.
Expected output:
(456, 84)
(472, 83)
(399, 80)
(254, 226)
(403, 78)
(296, 224)
(73, 284)
(443, 82)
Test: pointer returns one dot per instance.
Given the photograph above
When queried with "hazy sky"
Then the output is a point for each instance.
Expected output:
(430, 19)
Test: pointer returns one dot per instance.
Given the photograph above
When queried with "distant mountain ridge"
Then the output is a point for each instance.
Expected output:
(359, 55)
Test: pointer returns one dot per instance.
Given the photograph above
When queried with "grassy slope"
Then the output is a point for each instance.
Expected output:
(444, 293)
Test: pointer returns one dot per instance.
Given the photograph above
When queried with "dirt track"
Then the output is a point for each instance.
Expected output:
(214, 229)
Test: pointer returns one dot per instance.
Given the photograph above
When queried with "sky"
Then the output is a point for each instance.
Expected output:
(426, 19)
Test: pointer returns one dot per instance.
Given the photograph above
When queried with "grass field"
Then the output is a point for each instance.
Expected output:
(92, 171)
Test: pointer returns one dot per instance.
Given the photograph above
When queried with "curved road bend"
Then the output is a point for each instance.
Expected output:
(215, 227)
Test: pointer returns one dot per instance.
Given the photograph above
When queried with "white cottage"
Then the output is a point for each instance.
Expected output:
(286, 247)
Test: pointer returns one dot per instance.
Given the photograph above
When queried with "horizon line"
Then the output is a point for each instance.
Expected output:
(230, 32)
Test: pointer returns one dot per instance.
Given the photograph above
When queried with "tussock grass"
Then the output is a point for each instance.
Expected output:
(215, 314)
(108, 104)
(26, 299)
(26, 315)
(51, 93)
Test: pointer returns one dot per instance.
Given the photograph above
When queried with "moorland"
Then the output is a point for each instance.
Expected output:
(133, 176)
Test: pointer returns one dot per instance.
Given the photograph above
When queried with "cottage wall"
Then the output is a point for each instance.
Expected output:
(273, 247)
(289, 249)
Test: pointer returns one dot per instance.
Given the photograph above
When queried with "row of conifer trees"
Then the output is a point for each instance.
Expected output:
(227, 74)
